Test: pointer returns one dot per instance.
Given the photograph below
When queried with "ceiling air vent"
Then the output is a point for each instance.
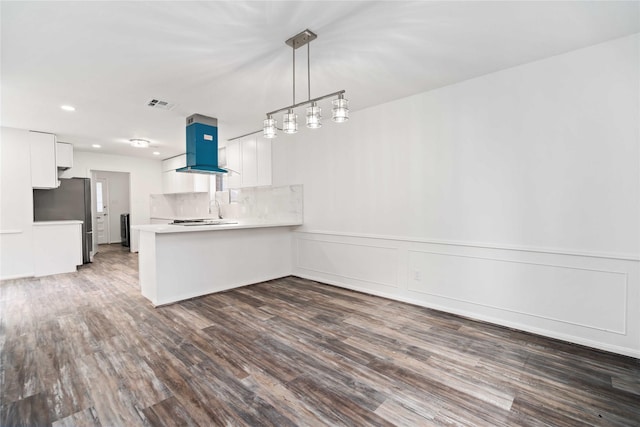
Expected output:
(163, 105)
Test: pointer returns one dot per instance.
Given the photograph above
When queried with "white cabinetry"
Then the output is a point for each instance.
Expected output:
(64, 155)
(57, 247)
(250, 161)
(263, 161)
(44, 172)
(181, 182)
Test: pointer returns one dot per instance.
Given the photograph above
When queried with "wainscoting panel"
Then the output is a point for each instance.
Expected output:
(583, 297)
(588, 299)
(365, 263)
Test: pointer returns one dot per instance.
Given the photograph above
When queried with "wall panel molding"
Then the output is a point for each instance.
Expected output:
(365, 263)
(605, 309)
(485, 245)
(588, 300)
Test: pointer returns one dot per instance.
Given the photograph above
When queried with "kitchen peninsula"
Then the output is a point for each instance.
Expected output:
(178, 262)
(181, 262)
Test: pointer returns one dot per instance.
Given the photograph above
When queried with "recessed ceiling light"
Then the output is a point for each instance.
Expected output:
(156, 153)
(96, 145)
(68, 107)
(139, 143)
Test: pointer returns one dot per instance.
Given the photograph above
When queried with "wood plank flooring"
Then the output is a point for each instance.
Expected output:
(86, 349)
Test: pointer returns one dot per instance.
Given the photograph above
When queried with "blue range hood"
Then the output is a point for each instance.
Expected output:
(202, 145)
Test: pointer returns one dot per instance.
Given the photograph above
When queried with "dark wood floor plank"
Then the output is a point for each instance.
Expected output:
(85, 418)
(30, 411)
(87, 349)
(169, 413)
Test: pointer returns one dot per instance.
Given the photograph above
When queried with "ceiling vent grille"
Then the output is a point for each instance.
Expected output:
(162, 105)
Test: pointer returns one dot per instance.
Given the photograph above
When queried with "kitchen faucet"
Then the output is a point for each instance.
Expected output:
(218, 206)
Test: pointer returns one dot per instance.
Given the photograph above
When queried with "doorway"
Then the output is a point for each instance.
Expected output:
(110, 199)
(102, 211)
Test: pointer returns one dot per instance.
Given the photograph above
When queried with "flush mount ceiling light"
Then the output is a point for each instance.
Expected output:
(139, 143)
(68, 107)
(313, 112)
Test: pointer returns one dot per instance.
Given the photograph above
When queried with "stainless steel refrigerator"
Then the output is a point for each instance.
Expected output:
(71, 200)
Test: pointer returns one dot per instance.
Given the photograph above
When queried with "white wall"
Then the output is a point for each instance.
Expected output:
(16, 205)
(145, 179)
(513, 197)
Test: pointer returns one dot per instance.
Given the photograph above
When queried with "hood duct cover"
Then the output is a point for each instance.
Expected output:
(202, 145)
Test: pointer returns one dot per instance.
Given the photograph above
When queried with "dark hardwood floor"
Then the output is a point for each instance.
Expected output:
(87, 349)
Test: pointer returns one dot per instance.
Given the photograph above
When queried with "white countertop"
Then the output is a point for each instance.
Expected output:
(62, 222)
(185, 218)
(240, 224)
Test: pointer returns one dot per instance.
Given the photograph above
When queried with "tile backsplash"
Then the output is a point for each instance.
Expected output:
(180, 205)
(283, 203)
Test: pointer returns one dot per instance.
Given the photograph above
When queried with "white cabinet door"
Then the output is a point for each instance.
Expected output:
(182, 182)
(263, 162)
(167, 182)
(64, 155)
(233, 179)
(200, 182)
(44, 172)
(249, 156)
(174, 163)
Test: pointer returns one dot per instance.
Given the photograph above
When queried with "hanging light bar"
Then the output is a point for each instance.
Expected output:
(340, 110)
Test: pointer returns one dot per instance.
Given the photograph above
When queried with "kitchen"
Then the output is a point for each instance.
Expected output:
(489, 168)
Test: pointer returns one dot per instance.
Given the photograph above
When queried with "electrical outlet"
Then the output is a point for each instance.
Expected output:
(416, 275)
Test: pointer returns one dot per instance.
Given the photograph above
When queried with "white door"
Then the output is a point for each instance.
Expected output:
(101, 230)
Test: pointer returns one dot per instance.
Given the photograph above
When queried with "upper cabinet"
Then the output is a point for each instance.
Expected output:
(182, 182)
(248, 162)
(44, 170)
(64, 155)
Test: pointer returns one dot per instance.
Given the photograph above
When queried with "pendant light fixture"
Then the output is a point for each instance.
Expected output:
(314, 116)
(270, 126)
(340, 111)
(290, 122)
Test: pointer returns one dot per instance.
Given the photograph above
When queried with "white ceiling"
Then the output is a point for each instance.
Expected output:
(228, 59)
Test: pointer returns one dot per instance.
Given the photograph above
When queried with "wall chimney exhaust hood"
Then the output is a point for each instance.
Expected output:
(202, 145)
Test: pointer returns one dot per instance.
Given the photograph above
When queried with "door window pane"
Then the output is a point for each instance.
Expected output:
(99, 207)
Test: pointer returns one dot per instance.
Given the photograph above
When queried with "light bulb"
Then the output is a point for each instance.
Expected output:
(290, 122)
(270, 127)
(340, 109)
(314, 115)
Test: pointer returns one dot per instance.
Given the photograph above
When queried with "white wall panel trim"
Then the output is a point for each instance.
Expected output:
(485, 245)
(10, 231)
(357, 262)
(620, 307)
(584, 300)
(483, 318)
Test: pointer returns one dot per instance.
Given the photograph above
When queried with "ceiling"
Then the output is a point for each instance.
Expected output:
(228, 59)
